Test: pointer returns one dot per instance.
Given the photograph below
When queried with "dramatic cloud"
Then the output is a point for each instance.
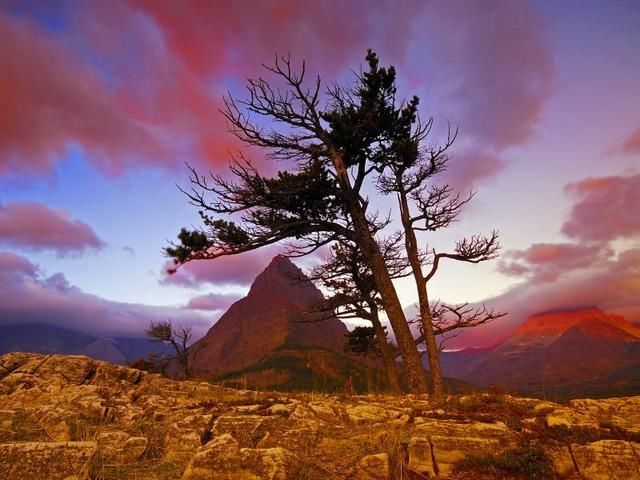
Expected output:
(237, 270)
(500, 63)
(605, 208)
(29, 296)
(545, 262)
(493, 71)
(139, 83)
(212, 301)
(50, 99)
(213, 40)
(35, 226)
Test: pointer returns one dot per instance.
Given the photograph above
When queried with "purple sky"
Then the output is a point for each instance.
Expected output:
(101, 103)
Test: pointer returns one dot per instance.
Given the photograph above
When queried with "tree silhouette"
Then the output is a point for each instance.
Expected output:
(331, 153)
(178, 338)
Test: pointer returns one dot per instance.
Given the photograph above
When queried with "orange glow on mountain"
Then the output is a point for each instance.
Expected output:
(555, 324)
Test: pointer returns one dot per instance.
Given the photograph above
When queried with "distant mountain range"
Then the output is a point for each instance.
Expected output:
(42, 338)
(266, 341)
(558, 355)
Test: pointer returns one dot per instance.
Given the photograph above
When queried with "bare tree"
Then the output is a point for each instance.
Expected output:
(425, 207)
(178, 338)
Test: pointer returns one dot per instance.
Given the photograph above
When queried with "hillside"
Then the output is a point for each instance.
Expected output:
(64, 417)
(558, 355)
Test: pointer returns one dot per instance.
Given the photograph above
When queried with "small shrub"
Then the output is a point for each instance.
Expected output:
(527, 461)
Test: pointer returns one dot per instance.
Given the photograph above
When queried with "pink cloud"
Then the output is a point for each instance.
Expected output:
(605, 208)
(28, 296)
(212, 301)
(469, 167)
(35, 226)
(12, 264)
(238, 270)
(212, 40)
(629, 145)
(139, 83)
(51, 99)
(545, 262)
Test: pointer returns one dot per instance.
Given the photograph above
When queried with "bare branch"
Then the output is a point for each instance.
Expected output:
(475, 249)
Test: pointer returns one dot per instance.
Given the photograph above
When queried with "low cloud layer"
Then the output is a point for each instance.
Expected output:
(28, 295)
(34, 226)
(545, 262)
(613, 286)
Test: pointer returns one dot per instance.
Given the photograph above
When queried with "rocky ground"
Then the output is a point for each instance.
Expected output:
(70, 417)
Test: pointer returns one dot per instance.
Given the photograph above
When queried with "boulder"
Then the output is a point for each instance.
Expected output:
(373, 467)
(50, 460)
(121, 448)
(247, 430)
(223, 459)
(367, 412)
(607, 459)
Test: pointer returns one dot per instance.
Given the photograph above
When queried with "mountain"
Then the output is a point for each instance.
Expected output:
(559, 355)
(43, 338)
(267, 340)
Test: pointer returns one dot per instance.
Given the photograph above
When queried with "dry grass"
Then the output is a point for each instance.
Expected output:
(26, 429)
(101, 468)
(336, 454)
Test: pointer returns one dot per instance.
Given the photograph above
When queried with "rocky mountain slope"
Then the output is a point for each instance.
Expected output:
(266, 340)
(559, 355)
(71, 417)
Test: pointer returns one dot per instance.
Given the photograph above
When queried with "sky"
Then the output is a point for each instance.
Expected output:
(102, 103)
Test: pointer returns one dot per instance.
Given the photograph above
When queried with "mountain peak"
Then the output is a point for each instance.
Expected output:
(555, 323)
(552, 324)
(267, 320)
(282, 278)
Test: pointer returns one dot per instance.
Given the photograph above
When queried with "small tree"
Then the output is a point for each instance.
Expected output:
(178, 338)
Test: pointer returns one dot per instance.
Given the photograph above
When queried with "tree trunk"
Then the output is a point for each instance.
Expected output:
(371, 252)
(426, 321)
(388, 359)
